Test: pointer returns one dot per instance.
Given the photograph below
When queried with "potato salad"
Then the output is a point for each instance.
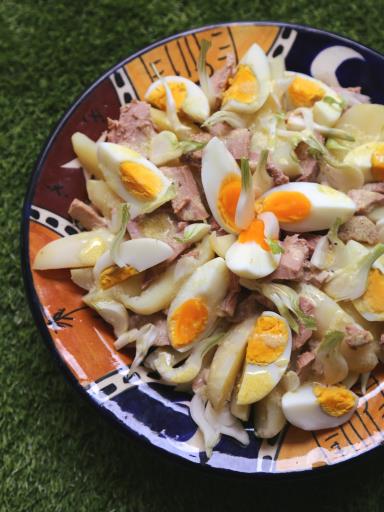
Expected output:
(234, 236)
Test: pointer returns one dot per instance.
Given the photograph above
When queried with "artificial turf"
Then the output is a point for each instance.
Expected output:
(56, 453)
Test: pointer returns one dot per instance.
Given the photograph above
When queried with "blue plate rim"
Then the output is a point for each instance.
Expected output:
(34, 303)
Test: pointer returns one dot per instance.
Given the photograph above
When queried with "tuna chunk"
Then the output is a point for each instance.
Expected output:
(220, 129)
(307, 305)
(299, 339)
(308, 163)
(134, 127)
(375, 187)
(238, 141)
(187, 204)
(366, 200)
(359, 228)
(313, 275)
(228, 306)
(194, 157)
(279, 178)
(312, 241)
(356, 336)
(221, 76)
(158, 320)
(292, 261)
(304, 360)
(86, 215)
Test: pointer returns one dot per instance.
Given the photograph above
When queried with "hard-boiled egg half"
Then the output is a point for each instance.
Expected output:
(188, 97)
(369, 159)
(306, 91)
(302, 207)
(314, 406)
(251, 255)
(221, 180)
(371, 304)
(135, 256)
(193, 312)
(268, 353)
(133, 178)
(250, 86)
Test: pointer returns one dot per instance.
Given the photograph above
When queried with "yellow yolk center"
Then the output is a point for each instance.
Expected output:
(113, 275)
(304, 92)
(267, 341)
(227, 200)
(288, 206)
(243, 87)
(374, 295)
(377, 163)
(188, 322)
(140, 181)
(158, 96)
(334, 400)
(254, 233)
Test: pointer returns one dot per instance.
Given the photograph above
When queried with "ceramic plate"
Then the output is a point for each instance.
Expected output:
(84, 343)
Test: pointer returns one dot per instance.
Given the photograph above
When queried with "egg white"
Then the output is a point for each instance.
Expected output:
(110, 156)
(273, 371)
(195, 105)
(140, 253)
(217, 164)
(323, 113)
(257, 61)
(249, 259)
(302, 410)
(210, 283)
(328, 204)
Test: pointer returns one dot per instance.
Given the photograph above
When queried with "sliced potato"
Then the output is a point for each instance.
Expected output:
(364, 122)
(85, 149)
(162, 291)
(102, 197)
(227, 363)
(221, 244)
(75, 251)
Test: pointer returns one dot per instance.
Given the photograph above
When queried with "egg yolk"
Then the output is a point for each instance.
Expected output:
(188, 322)
(374, 295)
(377, 163)
(140, 181)
(304, 92)
(267, 341)
(254, 387)
(227, 200)
(254, 233)
(243, 87)
(288, 206)
(113, 275)
(334, 400)
(158, 97)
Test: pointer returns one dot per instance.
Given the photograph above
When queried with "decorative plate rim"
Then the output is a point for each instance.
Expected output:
(34, 303)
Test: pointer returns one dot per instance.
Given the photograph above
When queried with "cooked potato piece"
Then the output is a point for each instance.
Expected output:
(163, 290)
(75, 251)
(102, 197)
(227, 363)
(83, 277)
(364, 122)
(85, 149)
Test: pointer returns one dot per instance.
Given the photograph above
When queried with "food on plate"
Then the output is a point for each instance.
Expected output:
(234, 235)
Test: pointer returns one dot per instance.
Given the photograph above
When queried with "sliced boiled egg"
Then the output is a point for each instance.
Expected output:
(250, 86)
(369, 159)
(136, 255)
(188, 97)
(221, 180)
(133, 178)
(371, 304)
(193, 312)
(306, 91)
(302, 207)
(314, 406)
(267, 356)
(251, 255)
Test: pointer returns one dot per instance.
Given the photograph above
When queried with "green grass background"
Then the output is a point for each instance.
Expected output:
(56, 453)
